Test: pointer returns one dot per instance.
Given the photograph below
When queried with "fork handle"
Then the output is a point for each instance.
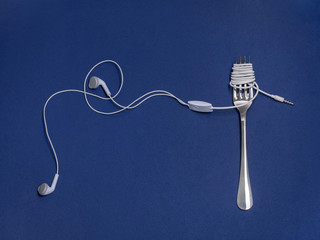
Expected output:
(244, 198)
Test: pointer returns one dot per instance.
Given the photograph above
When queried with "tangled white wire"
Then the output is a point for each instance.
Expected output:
(132, 105)
(242, 77)
(143, 98)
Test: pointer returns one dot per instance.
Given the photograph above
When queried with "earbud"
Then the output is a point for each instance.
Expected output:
(95, 82)
(44, 189)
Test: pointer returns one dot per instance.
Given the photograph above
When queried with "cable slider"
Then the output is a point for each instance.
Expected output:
(200, 106)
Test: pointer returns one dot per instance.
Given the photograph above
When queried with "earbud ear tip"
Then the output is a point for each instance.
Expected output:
(93, 82)
(42, 189)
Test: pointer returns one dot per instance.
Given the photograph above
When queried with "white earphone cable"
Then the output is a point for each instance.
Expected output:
(45, 120)
(131, 105)
(242, 77)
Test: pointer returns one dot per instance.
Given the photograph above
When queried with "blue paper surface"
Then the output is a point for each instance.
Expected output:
(160, 171)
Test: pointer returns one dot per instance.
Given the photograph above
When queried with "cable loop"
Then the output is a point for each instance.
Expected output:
(143, 98)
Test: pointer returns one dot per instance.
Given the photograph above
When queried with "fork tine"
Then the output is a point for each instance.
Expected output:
(246, 91)
(251, 92)
(240, 91)
(235, 94)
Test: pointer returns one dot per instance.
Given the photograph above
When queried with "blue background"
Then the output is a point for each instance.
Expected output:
(160, 171)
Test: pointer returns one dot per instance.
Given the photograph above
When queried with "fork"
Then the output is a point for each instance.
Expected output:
(242, 96)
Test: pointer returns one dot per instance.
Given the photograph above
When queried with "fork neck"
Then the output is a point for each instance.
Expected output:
(243, 116)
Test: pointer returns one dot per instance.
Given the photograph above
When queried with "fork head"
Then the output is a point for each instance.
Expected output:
(242, 81)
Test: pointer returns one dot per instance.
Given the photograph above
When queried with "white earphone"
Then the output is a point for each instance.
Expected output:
(44, 189)
(95, 82)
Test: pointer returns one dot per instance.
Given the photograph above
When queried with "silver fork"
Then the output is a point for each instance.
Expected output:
(242, 96)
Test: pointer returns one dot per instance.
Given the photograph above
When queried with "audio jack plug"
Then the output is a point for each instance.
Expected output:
(281, 99)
